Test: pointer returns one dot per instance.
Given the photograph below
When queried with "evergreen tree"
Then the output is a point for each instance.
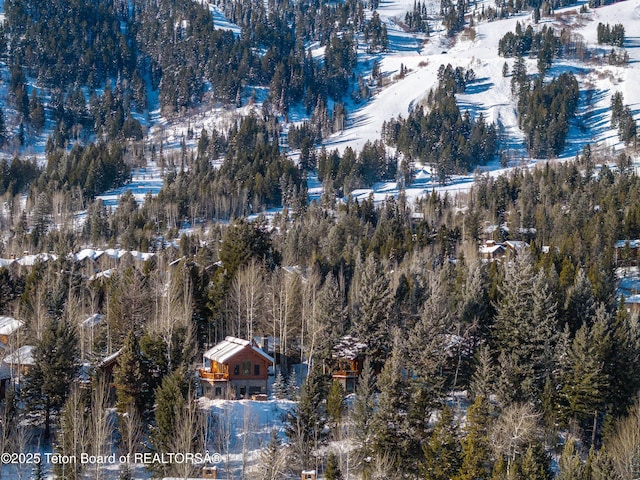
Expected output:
(293, 390)
(128, 376)
(475, 445)
(335, 403)
(483, 378)
(600, 465)
(172, 398)
(570, 464)
(273, 458)
(363, 406)
(580, 303)
(585, 381)
(305, 424)
(625, 360)
(331, 315)
(536, 464)
(56, 363)
(279, 387)
(442, 452)
(373, 303)
(388, 429)
(332, 471)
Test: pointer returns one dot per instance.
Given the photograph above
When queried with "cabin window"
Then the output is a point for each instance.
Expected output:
(256, 369)
(246, 367)
(236, 369)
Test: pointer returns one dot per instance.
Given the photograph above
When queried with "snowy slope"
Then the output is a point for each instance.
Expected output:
(491, 93)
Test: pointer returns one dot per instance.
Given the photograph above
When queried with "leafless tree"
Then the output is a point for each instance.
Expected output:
(74, 435)
(624, 447)
(247, 295)
(514, 430)
(100, 426)
(130, 428)
(189, 438)
(20, 440)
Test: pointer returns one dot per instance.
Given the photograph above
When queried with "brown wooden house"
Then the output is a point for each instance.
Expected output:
(348, 359)
(20, 360)
(235, 368)
(8, 328)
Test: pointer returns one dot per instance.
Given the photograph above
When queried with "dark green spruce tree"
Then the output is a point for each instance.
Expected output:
(56, 363)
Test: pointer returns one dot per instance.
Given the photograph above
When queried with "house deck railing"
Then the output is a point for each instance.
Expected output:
(344, 373)
(212, 376)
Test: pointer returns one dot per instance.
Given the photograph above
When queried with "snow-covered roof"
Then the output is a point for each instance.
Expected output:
(8, 325)
(111, 358)
(116, 253)
(87, 253)
(490, 249)
(231, 346)
(141, 256)
(632, 299)
(92, 320)
(4, 262)
(634, 244)
(31, 260)
(517, 244)
(348, 348)
(103, 274)
(22, 356)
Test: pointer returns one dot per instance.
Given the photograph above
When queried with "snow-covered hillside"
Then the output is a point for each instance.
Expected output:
(491, 93)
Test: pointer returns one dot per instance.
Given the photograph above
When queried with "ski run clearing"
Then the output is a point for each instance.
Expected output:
(490, 94)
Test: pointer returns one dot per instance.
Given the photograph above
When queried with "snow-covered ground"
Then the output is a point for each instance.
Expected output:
(490, 94)
(144, 181)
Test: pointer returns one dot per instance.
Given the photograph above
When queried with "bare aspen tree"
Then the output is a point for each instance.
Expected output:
(73, 437)
(35, 312)
(224, 429)
(246, 299)
(177, 313)
(20, 441)
(307, 314)
(7, 423)
(624, 447)
(274, 459)
(189, 436)
(382, 467)
(248, 422)
(130, 427)
(100, 426)
(515, 429)
(284, 307)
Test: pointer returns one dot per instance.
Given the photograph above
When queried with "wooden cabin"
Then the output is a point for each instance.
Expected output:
(8, 328)
(348, 359)
(235, 368)
(20, 360)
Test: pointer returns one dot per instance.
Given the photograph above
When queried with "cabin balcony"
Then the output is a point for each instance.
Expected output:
(213, 376)
(344, 374)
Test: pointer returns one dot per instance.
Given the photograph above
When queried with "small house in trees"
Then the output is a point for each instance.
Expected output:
(20, 360)
(492, 250)
(626, 252)
(632, 304)
(348, 359)
(516, 246)
(8, 328)
(106, 368)
(235, 368)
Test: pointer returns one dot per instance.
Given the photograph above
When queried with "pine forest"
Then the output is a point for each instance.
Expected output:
(304, 239)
